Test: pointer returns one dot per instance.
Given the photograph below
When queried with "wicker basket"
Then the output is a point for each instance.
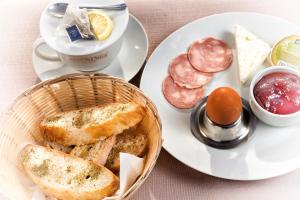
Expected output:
(19, 124)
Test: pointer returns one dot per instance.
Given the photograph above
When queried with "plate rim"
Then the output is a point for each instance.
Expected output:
(183, 27)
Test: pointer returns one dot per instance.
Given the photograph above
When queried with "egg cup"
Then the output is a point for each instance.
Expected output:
(222, 136)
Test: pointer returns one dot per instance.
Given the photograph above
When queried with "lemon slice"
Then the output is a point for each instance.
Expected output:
(101, 24)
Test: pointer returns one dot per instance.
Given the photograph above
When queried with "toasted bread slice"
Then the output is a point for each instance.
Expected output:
(67, 177)
(59, 147)
(128, 142)
(90, 125)
(97, 152)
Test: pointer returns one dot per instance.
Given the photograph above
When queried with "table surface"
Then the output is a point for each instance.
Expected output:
(170, 179)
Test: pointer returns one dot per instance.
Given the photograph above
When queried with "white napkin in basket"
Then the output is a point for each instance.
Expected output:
(130, 168)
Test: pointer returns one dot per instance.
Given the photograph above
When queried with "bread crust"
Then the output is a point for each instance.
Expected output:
(68, 194)
(90, 132)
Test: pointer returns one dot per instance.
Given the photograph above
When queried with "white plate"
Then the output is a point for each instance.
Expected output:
(271, 151)
(127, 64)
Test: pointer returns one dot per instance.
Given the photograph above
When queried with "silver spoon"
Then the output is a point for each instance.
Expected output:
(59, 9)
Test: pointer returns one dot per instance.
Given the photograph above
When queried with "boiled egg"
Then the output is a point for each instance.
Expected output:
(224, 106)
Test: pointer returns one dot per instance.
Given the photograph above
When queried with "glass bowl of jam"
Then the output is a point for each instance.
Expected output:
(275, 96)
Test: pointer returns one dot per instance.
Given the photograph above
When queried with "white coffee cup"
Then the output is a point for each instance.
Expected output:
(82, 55)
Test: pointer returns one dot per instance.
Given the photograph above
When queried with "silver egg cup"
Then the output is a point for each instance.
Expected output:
(222, 136)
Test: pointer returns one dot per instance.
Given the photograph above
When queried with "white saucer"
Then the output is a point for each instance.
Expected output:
(271, 151)
(127, 64)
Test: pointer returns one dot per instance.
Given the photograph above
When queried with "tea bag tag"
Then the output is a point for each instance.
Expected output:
(74, 33)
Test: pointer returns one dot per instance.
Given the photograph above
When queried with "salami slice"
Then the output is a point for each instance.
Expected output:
(185, 75)
(210, 55)
(181, 97)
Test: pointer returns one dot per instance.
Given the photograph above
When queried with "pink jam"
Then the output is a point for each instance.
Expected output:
(278, 93)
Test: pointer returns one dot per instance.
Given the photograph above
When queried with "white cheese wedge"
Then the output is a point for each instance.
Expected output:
(251, 52)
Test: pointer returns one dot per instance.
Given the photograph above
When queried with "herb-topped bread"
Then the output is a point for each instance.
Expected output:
(59, 147)
(106, 152)
(97, 152)
(134, 143)
(90, 125)
(67, 177)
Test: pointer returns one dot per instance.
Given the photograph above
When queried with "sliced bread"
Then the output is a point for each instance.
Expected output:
(97, 152)
(90, 125)
(59, 147)
(128, 142)
(67, 177)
